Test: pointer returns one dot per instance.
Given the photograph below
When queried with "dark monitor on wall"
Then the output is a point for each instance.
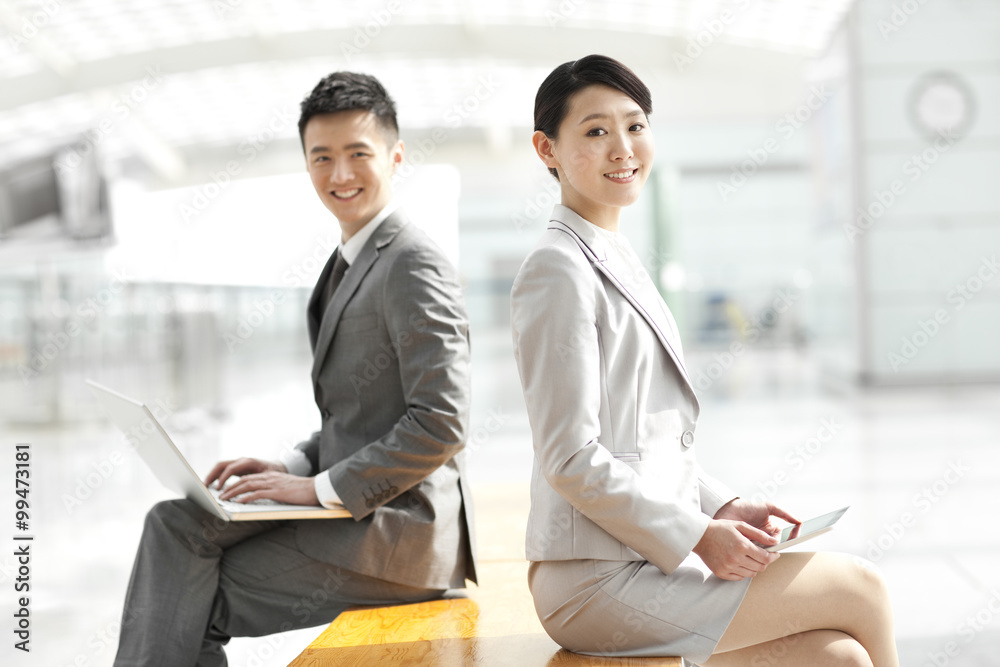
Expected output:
(59, 192)
(28, 192)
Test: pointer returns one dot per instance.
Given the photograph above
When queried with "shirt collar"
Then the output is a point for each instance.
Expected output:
(351, 248)
(585, 229)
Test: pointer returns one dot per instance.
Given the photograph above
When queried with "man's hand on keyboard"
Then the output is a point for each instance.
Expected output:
(262, 479)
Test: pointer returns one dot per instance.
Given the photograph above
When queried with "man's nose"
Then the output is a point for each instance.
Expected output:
(341, 172)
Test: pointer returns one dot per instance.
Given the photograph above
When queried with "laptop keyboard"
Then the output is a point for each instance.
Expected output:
(236, 506)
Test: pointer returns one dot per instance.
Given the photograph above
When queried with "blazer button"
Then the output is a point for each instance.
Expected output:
(687, 439)
(326, 414)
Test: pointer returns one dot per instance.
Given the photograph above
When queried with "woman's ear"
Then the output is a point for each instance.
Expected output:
(545, 147)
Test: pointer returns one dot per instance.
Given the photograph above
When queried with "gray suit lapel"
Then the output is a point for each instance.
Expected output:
(314, 309)
(349, 285)
(600, 260)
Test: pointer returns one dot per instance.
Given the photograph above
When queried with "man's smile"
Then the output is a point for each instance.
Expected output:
(345, 194)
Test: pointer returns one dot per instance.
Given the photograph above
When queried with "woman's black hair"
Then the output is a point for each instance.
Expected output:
(347, 91)
(552, 99)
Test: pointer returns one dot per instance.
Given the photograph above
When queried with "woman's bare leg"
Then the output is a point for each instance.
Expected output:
(816, 648)
(804, 592)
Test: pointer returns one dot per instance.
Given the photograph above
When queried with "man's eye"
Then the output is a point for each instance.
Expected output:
(638, 127)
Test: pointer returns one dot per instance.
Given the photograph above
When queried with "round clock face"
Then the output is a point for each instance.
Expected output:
(942, 104)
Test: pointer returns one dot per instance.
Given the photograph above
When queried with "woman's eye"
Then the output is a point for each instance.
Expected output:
(596, 132)
(638, 127)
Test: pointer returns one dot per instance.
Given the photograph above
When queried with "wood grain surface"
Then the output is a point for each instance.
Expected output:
(492, 625)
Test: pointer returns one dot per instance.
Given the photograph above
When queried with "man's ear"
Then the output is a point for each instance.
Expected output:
(545, 147)
(396, 154)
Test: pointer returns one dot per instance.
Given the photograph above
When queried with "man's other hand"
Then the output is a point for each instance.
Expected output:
(223, 470)
(262, 479)
(273, 484)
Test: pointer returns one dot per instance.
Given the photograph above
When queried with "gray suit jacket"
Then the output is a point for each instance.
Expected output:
(611, 408)
(391, 379)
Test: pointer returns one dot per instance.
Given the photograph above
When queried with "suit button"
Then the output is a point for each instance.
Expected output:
(687, 439)
(326, 414)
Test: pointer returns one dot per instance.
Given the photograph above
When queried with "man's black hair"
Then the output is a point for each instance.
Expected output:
(347, 91)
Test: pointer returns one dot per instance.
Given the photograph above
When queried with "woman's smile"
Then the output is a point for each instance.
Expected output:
(622, 176)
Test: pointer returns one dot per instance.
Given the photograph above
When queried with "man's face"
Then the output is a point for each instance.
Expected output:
(351, 165)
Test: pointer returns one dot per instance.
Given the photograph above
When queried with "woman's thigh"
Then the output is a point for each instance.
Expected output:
(801, 592)
(816, 648)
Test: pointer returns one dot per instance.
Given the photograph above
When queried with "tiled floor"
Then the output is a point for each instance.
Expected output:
(920, 468)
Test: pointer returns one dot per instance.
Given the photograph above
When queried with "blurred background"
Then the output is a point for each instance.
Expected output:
(823, 220)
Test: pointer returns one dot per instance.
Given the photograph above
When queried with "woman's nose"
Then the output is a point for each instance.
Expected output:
(621, 148)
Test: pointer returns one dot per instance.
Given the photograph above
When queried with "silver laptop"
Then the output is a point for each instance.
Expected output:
(174, 472)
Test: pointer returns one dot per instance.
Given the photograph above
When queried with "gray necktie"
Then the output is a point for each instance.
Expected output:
(340, 266)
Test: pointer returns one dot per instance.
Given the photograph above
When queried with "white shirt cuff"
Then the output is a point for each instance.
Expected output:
(296, 463)
(328, 497)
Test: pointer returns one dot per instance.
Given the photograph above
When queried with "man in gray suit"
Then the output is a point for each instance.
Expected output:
(391, 379)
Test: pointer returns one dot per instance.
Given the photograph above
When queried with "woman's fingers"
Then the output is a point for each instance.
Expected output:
(755, 534)
(781, 514)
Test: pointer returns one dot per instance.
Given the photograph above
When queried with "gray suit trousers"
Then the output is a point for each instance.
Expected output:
(198, 581)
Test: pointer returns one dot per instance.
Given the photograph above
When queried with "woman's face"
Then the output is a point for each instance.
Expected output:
(603, 153)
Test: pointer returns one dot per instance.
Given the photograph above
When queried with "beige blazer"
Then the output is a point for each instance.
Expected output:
(612, 412)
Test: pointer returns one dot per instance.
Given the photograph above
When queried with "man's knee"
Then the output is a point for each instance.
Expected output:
(185, 522)
(164, 514)
(171, 514)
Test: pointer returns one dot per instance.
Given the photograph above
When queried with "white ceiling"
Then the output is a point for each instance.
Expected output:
(69, 32)
(152, 77)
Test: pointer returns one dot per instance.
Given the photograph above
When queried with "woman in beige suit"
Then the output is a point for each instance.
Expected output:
(634, 550)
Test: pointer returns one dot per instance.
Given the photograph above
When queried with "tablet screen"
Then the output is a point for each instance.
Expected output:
(802, 531)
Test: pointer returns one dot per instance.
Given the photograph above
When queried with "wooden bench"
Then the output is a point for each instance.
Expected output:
(492, 624)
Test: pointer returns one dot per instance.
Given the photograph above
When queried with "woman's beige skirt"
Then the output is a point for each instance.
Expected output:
(630, 608)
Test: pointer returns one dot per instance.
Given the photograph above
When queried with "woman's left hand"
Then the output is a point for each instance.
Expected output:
(756, 513)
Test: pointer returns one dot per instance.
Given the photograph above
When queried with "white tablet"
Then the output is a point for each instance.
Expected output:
(797, 533)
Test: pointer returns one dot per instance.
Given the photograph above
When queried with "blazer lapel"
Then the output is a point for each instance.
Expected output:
(348, 286)
(598, 256)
